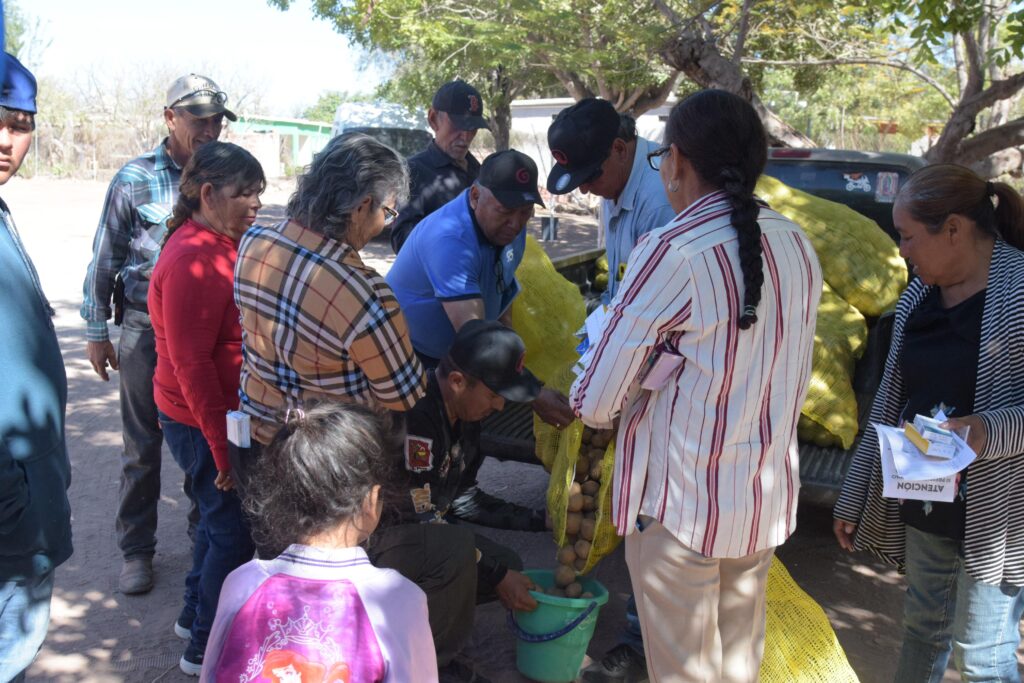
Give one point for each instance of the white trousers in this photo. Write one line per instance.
(702, 618)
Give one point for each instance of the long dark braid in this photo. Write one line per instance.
(748, 231)
(724, 140)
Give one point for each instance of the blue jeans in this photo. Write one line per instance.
(222, 539)
(947, 611)
(24, 618)
(631, 635)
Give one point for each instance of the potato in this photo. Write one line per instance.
(555, 591)
(566, 555)
(592, 514)
(574, 590)
(588, 503)
(572, 521)
(588, 434)
(595, 454)
(575, 488)
(575, 502)
(582, 549)
(601, 440)
(596, 469)
(587, 595)
(564, 575)
(590, 488)
(582, 470)
(587, 529)
(580, 564)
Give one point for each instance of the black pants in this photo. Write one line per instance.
(441, 559)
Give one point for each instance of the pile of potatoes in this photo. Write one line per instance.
(581, 515)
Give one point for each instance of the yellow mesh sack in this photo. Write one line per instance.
(860, 262)
(829, 413)
(563, 472)
(546, 314)
(800, 645)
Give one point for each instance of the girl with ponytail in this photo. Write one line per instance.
(958, 344)
(707, 354)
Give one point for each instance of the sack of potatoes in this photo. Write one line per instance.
(579, 504)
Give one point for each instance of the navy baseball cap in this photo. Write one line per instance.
(462, 103)
(19, 86)
(511, 176)
(580, 139)
(494, 354)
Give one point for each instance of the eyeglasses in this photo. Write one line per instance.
(389, 214)
(654, 159)
(218, 97)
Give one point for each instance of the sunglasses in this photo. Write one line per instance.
(389, 214)
(217, 96)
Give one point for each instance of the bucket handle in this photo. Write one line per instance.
(514, 626)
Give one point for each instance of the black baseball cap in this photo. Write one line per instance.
(580, 139)
(462, 103)
(511, 176)
(494, 354)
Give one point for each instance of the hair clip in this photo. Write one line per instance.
(750, 311)
(294, 416)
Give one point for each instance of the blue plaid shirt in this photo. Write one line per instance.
(133, 224)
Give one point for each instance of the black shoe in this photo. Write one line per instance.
(621, 664)
(191, 663)
(478, 507)
(460, 670)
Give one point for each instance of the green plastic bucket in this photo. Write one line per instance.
(554, 637)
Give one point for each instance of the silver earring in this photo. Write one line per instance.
(673, 187)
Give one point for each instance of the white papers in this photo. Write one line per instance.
(595, 324)
(908, 473)
(238, 429)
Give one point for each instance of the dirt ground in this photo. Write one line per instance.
(97, 634)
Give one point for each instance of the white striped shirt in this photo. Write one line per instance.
(713, 454)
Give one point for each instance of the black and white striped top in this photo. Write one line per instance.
(994, 535)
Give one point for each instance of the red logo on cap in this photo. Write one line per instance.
(523, 176)
(474, 104)
(560, 157)
(521, 364)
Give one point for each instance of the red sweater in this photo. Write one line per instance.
(197, 330)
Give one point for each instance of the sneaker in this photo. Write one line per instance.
(183, 625)
(460, 670)
(621, 664)
(136, 576)
(478, 507)
(191, 663)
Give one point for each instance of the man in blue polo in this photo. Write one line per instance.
(460, 262)
(445, 167)
(35, 518)
(597, 151)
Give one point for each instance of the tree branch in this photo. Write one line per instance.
(741, 35)
(853, 61)
(986, 143)
(975, 74)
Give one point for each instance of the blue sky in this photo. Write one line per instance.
(293, 56)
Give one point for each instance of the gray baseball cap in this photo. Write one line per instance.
(199, 96)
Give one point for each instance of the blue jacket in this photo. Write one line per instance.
(35, 518)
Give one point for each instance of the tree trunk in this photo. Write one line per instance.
(702, 63)
(501, 108)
